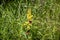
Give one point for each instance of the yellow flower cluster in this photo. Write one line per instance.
(27, 24)
(29, 18)
(29, 15)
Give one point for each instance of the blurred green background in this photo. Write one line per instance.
(45, 24)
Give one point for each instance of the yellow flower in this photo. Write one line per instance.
(29, 15)
(29, 18)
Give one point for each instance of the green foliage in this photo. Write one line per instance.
(45, 24)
